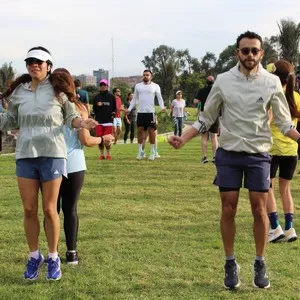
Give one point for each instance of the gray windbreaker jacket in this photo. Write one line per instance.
(40, 117)
(243, 102)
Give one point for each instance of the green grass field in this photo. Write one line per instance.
(148, 230)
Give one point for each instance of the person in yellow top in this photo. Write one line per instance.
(284, 156)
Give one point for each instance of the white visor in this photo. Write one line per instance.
(39, 54)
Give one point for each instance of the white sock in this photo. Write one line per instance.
(35, 254)
(140, 148)
(152, 147)
(53, 256)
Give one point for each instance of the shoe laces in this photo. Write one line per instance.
(230, 267)
(31, 265)
(260, 268)
(52, 264)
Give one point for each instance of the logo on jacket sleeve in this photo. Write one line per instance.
(260, 100)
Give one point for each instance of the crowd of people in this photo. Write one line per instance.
(54, 119)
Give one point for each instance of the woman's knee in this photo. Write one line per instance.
(30, 212)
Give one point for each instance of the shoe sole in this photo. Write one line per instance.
(292, 239)
(232, 287)
(277, 239)
(72, 263)
(261, 287)
(37, 272)
(54, 279)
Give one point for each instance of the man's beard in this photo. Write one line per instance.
(249, 67)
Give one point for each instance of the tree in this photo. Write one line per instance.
(208, 64)
(190, 83)
(288, 40)
(167, 64)
(227, 59)
(7, 75)
(271, 54)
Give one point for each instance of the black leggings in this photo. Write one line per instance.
(67, 200)
(129, 128)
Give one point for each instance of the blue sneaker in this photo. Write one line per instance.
(54, 272)
(33, 267)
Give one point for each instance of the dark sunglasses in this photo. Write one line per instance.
(246, 51)
(33, 61)
(103, 84)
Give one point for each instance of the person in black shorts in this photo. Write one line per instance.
(200, 99)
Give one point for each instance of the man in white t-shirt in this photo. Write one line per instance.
(144, 96)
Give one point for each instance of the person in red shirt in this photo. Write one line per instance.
(117, 118)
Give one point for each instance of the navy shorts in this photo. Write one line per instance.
(233, 167)
(41, 168)
(286, 164)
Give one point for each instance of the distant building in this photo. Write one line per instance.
(101, 74)
(86, 79)
(131, 80)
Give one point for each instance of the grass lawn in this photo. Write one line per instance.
(148, 230)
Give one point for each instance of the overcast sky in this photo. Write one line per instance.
(79, 33)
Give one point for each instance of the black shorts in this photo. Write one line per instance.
(286, 164)
(214, 127)
(146, 120)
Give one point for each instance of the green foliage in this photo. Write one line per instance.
(208, 64)
(227, 59)
(190, 84)
(7, 74)
(92, 91)
(288, 40)
(270, 54)
(167, 64)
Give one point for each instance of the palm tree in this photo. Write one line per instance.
(288, 40)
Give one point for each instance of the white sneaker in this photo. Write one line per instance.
(151, 156)
(275, 234)
(290, 235)
(156, 155)
(141, 155)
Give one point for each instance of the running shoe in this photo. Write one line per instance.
(141, 155)
(54, 272)
(108, 157)
(232, 270)
(151, 156)
(72, 257)
(156, 155)
(275, 234)
(260, 278)
(101, 157)
(33, 267)
(204, 160)
(290, 235)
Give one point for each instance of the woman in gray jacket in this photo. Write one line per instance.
(40, 112)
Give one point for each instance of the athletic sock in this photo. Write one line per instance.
(288, 221)
(273, 217)
(230, 257)
(152, 148)
(140, 149)
(35, 254)
(259, 258)
(53, 256)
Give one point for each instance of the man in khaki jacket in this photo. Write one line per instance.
(243, 96)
